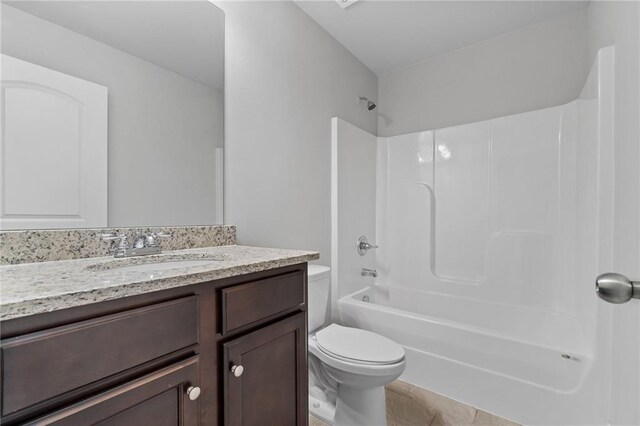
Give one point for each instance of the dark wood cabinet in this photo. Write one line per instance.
(132, 361)
(37, 365)
(265, 382)
(159, 399)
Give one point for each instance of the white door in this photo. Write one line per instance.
(53, 149)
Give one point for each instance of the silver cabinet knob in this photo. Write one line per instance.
(193, 392)
(616, 288)
(237, 370)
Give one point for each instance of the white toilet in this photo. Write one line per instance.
(348, 367)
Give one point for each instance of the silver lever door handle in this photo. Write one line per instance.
(616, 288)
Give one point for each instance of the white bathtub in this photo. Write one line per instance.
(523, 363)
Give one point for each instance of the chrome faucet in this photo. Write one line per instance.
(143, 244)
(363, 245)
(369, 273)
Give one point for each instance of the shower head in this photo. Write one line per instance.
(370, 104)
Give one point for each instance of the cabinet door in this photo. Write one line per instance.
(158, 399)
(268, 385)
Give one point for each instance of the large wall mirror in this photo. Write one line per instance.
(112, 114)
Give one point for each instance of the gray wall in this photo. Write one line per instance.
(535, 67)
(163, 127)
(285, 78)
(618, 23)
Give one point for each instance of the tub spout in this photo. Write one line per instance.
(369, 273)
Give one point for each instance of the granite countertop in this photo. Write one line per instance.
(34, 288)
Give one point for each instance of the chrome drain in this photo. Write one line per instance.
(570, 357)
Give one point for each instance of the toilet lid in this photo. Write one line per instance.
(358, 345)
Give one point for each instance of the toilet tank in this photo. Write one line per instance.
(318, 284)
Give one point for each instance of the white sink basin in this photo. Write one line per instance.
(158, 263)
(164, 266)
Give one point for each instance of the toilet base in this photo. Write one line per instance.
(354, 407)
(360, 406)
(322, 409)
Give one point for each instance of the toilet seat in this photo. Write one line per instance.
(357, 351)
(359, 346)
(354, 366)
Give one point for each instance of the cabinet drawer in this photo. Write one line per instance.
(45, 364)
(250, 303)
(157, 399)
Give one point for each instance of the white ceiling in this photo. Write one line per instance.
(186, 37)
(388, 35)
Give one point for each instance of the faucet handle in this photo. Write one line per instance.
(151, 239)
(123, 243)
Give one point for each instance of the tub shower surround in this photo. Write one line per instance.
(491, 235)
(31, 246)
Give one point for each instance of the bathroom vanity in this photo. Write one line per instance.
(110, 341)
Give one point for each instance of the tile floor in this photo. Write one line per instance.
(409, 405)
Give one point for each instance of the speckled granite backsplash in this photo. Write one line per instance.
(65, 244)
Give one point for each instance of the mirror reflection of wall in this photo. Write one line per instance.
(149, 153)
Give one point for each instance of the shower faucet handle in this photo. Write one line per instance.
(364, 245)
